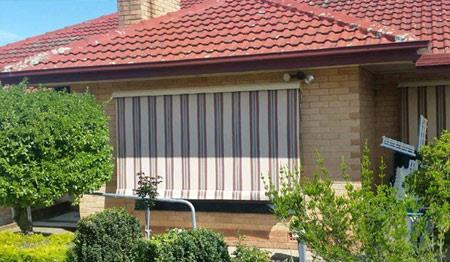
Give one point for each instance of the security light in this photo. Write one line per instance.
(300, 75)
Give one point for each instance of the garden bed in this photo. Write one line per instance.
(36, 247)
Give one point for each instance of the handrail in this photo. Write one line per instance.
(181, 201)
(147, 218)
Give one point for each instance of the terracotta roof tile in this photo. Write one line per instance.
(427, 19)
(18, 51)
(221, 28)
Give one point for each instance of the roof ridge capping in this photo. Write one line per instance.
(354, 22)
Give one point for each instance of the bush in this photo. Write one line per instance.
(146, 251)
(245, 253)
(180, 245)
(432, 181)
(367, 223)
(431, 184)
(51, 144)
(109, 236)
(16, 247)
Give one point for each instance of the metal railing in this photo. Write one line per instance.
(147, 210)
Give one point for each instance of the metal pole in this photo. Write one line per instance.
(185, 202)
(147, 218)
(148, 231)
(301, 251)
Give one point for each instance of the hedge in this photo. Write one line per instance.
(179, 245)
(109, 236)
(16, 247)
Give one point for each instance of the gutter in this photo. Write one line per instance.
(392, 52)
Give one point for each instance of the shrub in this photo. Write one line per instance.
(51, 144)
(431, 184)
(147, 191)
(245, 253)
(146, 251)
(180, 245)
(109, 236)
(367, 223)
(16, 247)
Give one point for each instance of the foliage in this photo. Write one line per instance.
(111, 235)
(245, 253)
(431, 184)
(432, 181)
(366, 223)
(146, 251)
(148, 189)
(15, 247)
(51, 144)
(180, 245)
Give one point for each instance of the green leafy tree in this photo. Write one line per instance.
(51, 144)
(366, 223)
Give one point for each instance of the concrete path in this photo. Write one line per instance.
(43, 230)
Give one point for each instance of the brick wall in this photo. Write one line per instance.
(387, 104)
(367, 114)
(331, 123)
(133, 11)
(162, 7)
(257, 228)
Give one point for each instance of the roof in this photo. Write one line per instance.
(15, 52)
(220, 29)
(426, 19)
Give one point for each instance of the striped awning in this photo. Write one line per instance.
(213, 145)
(429, 99)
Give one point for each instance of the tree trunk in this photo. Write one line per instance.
(23, 220)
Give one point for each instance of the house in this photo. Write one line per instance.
(212, 94)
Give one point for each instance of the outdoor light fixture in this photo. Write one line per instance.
(300, 75)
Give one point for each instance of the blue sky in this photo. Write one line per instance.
(20, 19)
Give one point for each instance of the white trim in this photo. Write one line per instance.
(207, 90)
(424, 83)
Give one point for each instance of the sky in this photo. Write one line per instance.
(20, 19)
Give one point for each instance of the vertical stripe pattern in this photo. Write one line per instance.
(431, 101)
(208, 146)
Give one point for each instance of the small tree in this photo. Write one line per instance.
(363, 224)
(431, 184)
(51, 144)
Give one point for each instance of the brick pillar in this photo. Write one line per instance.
(134, 11)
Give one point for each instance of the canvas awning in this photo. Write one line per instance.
(428, 98)
(209, 144)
